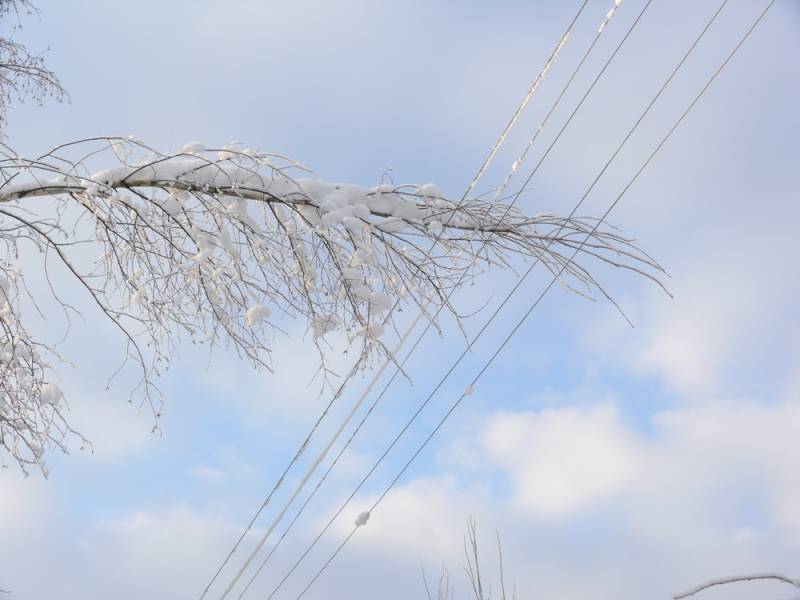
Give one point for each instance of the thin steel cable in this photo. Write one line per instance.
(542, 294)
(515, 165)
(510, 294)
(501, 139)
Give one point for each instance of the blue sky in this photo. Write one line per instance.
(615, 462)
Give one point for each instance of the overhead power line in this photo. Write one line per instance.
(358, 427)
(536, 302)
(539, 298)
(495, 148)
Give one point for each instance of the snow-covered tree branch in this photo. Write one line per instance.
(207, 244)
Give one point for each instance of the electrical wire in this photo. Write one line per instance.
(514, 289)
(495, 148)
(547, 288)
(515, 165)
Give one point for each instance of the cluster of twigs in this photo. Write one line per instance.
(23, 75)
(480, 588)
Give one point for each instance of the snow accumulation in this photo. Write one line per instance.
(256, 313)
(236, 218)
(325, 204)
(324, 325)
(379, 302)
(373, 331)
(194, 148)
(51, 394)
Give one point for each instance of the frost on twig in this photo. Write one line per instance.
(216, 245)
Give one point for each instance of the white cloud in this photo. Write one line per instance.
(720, 479)
(715, 460)
(291, 392)
(116, 429)
(562, 460)
(207, 473)
(23, 503)
(724, 314)
(161, 553)
(597, 498)
(183, 542)
(709, 465)
(417, 516)
(728, 329)
(228, 466)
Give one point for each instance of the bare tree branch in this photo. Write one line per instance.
(737, 579)
(502, 570)
(472, 569)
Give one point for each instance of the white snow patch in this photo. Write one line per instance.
(430, 190)
(324, 325)
(193, 148)
(380, 302)
(256, 313)
(51, 394)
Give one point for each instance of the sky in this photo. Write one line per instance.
(613, 461)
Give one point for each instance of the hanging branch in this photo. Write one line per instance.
(207, 244)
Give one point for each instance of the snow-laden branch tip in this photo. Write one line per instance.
(217, 244)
